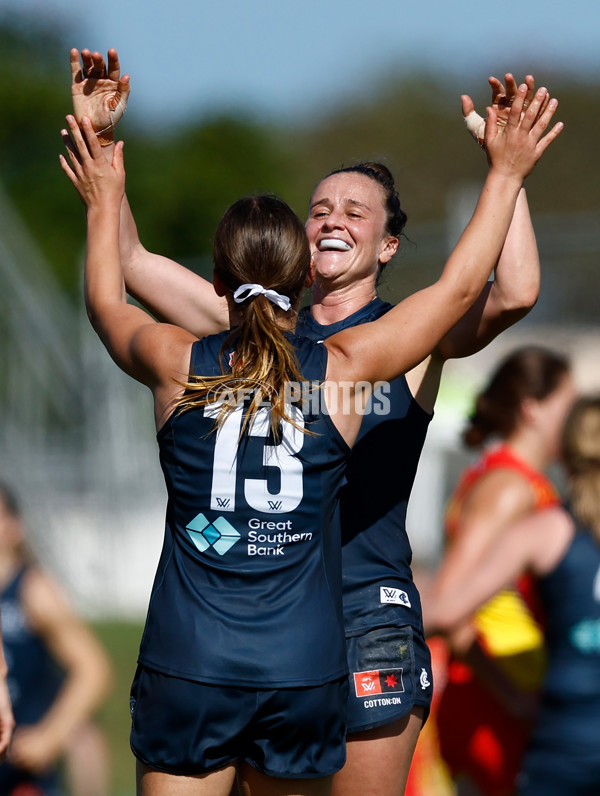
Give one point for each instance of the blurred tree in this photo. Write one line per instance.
(33, 97)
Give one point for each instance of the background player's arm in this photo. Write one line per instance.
(87, 668)
(535, 543)
(169, 290)
(498, 499)
(7, 721)
(495, 502)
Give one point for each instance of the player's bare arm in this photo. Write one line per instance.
(167, 289)
(515, 288)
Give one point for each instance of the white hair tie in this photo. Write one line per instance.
(247, 291)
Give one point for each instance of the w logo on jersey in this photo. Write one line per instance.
(389, 594)
(220, 534)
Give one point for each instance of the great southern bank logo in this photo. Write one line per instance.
(220, 534)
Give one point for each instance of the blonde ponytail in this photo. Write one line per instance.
(581, 450)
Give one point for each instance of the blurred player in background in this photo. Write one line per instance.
(58, 674)
(497, 661)
(560, 548)
(7, 720)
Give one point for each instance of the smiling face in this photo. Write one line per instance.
(346, 229)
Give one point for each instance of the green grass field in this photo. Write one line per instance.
(122, 641)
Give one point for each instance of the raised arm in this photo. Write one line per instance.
(153, 353)
(535, 543)
(515, 288)
(408, 333)
(169, 290)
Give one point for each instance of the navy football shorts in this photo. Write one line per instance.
(187, 728)
(390, 673)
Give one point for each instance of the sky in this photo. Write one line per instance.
(292, 61)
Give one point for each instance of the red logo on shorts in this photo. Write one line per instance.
(378, 681)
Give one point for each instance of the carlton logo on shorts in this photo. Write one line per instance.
(379, 681)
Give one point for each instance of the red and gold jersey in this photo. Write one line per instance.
(507, 624)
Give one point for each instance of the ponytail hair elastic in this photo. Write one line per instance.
(249, 290)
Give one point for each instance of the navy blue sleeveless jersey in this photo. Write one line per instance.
(248, 587)
(378, 587)
(570, 599)
(34, 678)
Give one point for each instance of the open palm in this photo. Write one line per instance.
(99, 92)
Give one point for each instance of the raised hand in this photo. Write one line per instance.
(99, 91)
(97, 180)
(502, 100)
(515, 147)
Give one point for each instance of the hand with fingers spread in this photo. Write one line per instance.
(99, 182)
(514, 149)
(503, 97)
(99, 91)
